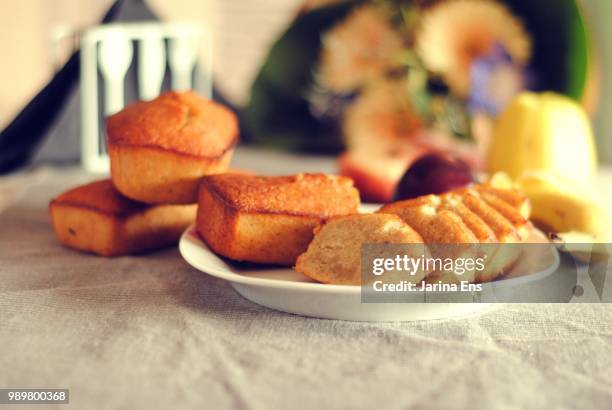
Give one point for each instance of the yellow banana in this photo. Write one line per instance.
(547, 132)
(560, 205)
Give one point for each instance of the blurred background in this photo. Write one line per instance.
(243, 32)
(38, 36)
(599, 14)
(493, 86)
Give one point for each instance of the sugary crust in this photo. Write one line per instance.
(238, 220)
(157, 176)
(303, 194)
(96, 218)
(180, 122)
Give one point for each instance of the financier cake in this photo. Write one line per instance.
(96, 218)
(160, 149)
(269, 219)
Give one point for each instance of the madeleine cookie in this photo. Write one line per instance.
(96, 218)
(269, 219)
(160, 149)
(479, 214)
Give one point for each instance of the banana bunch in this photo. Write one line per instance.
(561, 205)
(544, 143)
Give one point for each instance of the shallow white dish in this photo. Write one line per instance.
(288, 291)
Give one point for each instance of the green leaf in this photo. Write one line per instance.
(278, 113)
(561, 44)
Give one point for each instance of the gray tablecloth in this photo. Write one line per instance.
(150, 332)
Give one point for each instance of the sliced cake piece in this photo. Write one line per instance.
(334, 255)
(269, 219)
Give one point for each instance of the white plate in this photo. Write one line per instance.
(288, 291)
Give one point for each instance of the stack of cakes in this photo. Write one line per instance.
(159, 150)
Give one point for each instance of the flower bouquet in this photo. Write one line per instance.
(383, 82)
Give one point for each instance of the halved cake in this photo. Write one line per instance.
(334, 255)
(269, 219)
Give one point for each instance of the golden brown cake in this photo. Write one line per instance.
(476, 215)
(160, 149)
(96, 218)
(334, 255)
(466, 215)
(269, 219)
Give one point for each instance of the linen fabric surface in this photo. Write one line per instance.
(150, 332)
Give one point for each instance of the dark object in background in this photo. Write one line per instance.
(20, 139)
(279, 115)
(433, 174)
(48, 129)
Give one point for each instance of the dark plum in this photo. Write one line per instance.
(433, 174)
